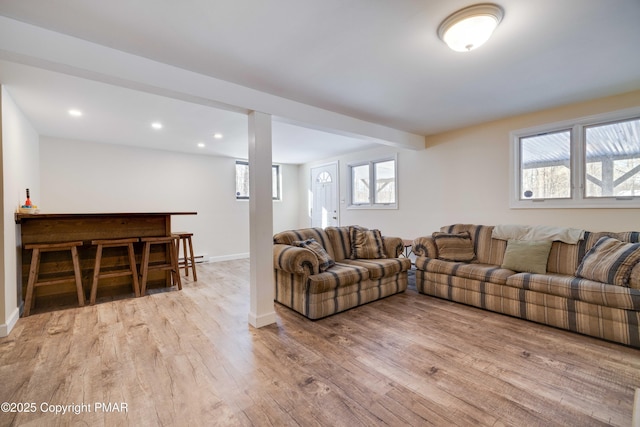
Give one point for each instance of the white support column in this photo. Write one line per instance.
(261, 311)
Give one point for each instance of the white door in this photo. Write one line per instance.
(324, 192)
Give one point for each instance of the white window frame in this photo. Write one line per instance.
(278, 167)
(371, 204)
(577, 162)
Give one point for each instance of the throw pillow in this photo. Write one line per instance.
(528, 256)
(609, 261)
(324, 259)
(366, 244)
(456, 247)
(352, 230)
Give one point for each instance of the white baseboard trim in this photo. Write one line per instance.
(228, 257)
(263, 320)
(5, 328)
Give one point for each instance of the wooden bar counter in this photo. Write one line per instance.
(52, 228)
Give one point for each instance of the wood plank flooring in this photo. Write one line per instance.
(190, 358)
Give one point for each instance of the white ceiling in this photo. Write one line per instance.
(378, 61)
(117, 115)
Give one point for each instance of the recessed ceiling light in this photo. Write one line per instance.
(156, 125)
(201, 144)
(75, 113)
(217, 135)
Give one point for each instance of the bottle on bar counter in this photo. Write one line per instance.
(28, 203)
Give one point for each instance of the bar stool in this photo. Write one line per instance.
(189, 258)
(130, 271)
(34, 270)
(172, 265)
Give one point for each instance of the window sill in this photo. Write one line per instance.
(608, 203)
(373, 207)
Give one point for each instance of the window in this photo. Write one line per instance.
(613, 159)
(242, 181)
(545, 171)
(589, 162)
(383, 192)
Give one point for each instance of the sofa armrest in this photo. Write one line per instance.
(425, 246)
(393, 246)
(295, 260)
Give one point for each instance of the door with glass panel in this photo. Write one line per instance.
(324, 195)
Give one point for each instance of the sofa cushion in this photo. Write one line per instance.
(575, 288)
(487, 250)
(290, 236)
(324, 260)
(610, 261)
(366, 244)
(527, 256)
(454, 246)
(482, 272)
(337, 275)
(379, 268)
(339, 237)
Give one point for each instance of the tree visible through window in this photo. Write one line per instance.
(385, 176)
(360, 185)
(593, 162)
(384, 191)
(613, 159)
(242, 180)
(545, 165)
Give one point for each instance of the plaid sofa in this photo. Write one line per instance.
(301, 286)
(556, 298)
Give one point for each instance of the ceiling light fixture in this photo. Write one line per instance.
(217, 135)
(75, 113)
(471, 27)
(201, 144)
(156, 125)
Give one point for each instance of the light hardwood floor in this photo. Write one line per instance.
(190, 358)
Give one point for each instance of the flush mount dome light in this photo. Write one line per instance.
(471, 27)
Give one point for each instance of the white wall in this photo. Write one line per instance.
(80, 176)
(463, 177)
(285, 211)
(20, 170)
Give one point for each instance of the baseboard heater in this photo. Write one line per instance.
(199, 259)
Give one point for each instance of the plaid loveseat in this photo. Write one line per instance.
(302, 286)
(557, 298)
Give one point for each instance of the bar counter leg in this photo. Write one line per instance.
(144, 266)
(33, 275)
(173, 253)
(96, 274)
(134, 270)
(78, 276)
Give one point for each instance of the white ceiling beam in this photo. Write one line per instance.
(39, 47)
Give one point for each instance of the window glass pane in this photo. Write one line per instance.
(545, 166)
(360, 184)
(242, 180)
(324, 177)
(275, 182)
(385, 176)
(613, 159)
